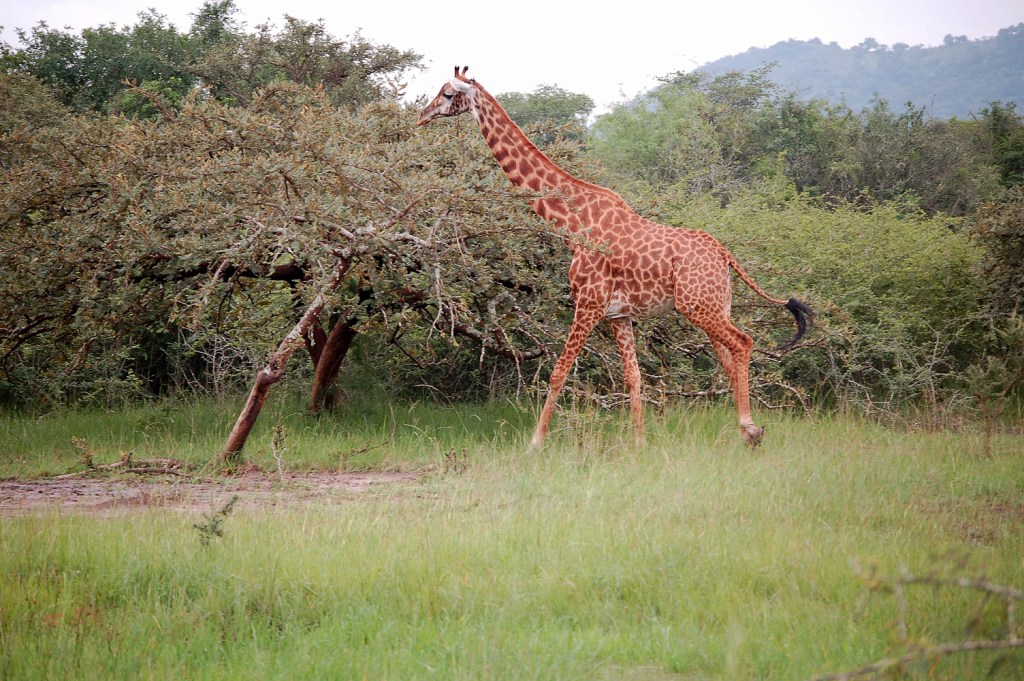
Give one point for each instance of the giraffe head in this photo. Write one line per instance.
(456, 97)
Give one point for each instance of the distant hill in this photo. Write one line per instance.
(954, 79)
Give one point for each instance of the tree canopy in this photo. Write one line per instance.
(702, 134)
(125, 238)
(94, 70)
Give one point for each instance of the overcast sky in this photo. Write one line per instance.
(607, 50)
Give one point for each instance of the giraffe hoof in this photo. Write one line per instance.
(752, 434)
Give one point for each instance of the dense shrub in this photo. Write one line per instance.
(897, 293)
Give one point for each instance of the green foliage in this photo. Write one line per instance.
(717, 135)
(692, 131)
(52, 56)
(999, 229)
(1000, 374)
(549, 105)
(905, 156)
(352, 72)
(92, 71)
(25, 104)
(213, 523)
(215, 22)
(151, 100)
(151, 51)
(884, 283)
(1004, 130)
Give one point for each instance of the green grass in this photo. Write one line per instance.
(693, 558)
(369, 433)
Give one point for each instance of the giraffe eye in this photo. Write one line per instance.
(449, 96)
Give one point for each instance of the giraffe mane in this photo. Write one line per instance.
(569, 177)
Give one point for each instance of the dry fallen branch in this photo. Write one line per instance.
(924, 653)
(916, 652)
(343, 457)
(127, 464)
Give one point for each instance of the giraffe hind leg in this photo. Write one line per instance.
(631, 369)
(733, 348)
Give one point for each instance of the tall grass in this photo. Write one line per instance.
(368, 433)
(691, 558)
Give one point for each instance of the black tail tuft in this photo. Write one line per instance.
(802, 313)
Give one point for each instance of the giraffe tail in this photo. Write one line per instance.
(801, 312)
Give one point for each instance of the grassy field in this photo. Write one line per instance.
(692, 558)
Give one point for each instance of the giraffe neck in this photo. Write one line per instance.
(524, 164)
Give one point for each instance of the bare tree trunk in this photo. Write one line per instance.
(274, 371)
(331, 355)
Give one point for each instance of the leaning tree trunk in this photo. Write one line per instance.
(274, 371)
(327, 363)
(315, 338)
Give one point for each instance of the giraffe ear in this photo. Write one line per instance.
(460, 84)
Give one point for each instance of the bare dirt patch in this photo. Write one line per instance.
(255, 489)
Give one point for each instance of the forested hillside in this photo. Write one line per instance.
(957, 78)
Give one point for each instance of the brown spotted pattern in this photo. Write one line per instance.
(623, 266)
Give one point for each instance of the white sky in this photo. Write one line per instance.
(607, 51)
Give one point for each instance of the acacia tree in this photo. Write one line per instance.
(121, 233)
(96, 69)
(89, 71)
(550, 106)
(691, 132)
(353, 71)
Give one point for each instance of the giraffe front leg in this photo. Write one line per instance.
(631, 369)
(583, 322)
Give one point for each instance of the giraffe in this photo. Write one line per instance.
(623, 266)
